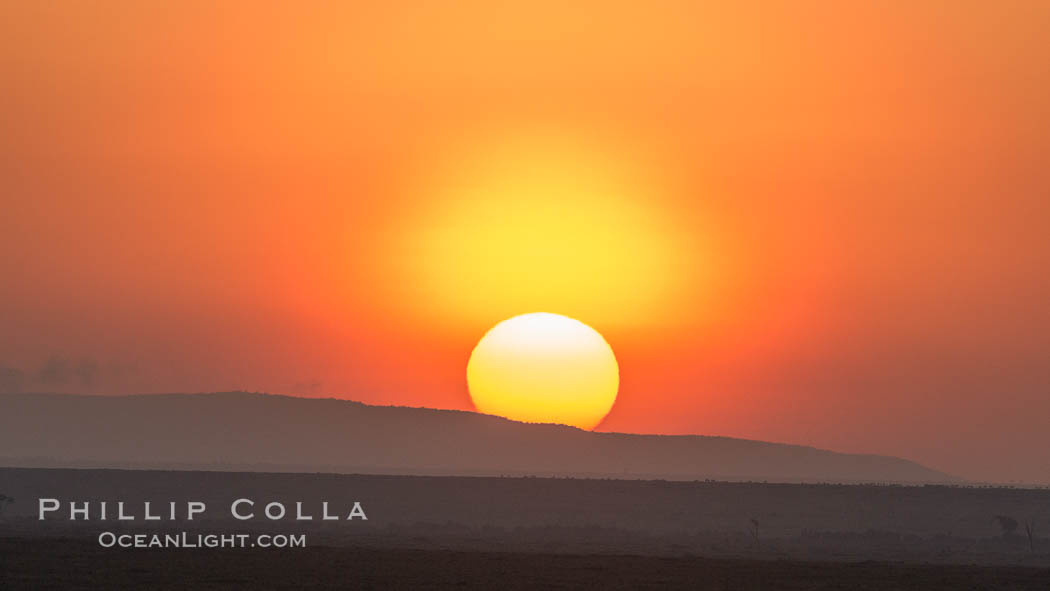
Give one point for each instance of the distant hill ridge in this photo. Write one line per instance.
(245, 431)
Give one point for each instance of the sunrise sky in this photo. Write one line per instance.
(821, 223)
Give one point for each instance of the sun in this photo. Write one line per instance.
(544, 368)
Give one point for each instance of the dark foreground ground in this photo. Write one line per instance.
(43, 563)
(524, 533)
(754, 521)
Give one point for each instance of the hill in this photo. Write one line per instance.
(243, 431)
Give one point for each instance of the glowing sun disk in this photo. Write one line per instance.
(544, 368)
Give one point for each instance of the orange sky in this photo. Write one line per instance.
(829, 225)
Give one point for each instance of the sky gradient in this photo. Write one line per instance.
(819, 223)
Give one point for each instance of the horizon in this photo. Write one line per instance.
(339, 436)
(953, 479)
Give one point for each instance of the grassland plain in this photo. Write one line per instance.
(60, 563)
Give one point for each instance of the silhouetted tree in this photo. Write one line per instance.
(1031, 537)
(4, 502)
(754, 529)
(11, 380)
(1007, 523)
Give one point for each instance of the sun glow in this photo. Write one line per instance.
(544, 368)
(548, 222)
